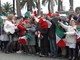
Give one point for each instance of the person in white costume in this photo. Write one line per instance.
(70, 38)
(9, 28)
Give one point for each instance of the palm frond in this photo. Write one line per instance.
(44, 2)
(56, 1)
(35, 2)
(22, 3)
(52, 2)
(7, 7)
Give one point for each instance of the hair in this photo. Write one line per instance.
(10, 17)
(72, 20)
(70, 16)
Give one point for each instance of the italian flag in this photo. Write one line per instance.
(22, 40)
(59, 34)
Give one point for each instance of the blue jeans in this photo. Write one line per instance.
(53, 47)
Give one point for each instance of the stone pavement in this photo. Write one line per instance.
(23, 56)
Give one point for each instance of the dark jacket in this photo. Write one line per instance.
(52, 30)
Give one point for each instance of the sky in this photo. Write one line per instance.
(45, 10)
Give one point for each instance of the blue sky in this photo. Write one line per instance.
(65, 4)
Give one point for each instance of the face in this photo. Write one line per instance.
(72, 23)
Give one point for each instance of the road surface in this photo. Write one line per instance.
(24, 56)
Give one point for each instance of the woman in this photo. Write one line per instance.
(9, 28)
(3, 37)
(70, 38)
(31, 28)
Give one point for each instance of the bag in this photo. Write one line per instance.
(61, 44)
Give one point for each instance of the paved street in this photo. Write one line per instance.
(15, 56)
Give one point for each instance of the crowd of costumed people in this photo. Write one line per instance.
(49, 35)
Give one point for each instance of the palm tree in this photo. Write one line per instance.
(51, 4)
(39, 7)
(60, 6)
(77, 10)
(7, 7)
(71, 4)
(13, 6)
(18, 7)
(29, 3)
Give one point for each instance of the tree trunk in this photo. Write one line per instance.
(29, 5)
(0, 7)
(71, 4)
(28, 9)
(13, 6)
(49, 6)
(18, 7)
(39, 7)
(60, 6)
(52, 6)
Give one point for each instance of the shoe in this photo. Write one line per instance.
(11, 51)
(55, 56)
(41, 55)
(19, 51)
(69, 58)
(73, 58)
(65, 56)
(7, 52)
(51, 56)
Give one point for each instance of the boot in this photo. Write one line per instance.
(70, 54)
(67, 52)
(70, 58)
(74, 57)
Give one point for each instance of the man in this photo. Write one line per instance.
(52, 38)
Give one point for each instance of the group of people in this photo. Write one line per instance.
(40, 35)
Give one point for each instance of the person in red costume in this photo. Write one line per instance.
(43, 28)
(21, 26)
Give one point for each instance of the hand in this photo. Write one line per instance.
(15, 24)
(59, 21)
(28, 29)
